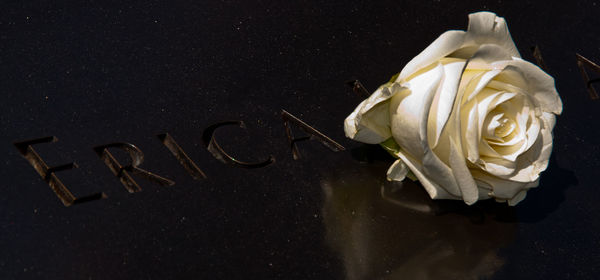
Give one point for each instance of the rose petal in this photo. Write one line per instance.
(502, 188)
(410, 121)
(492, 121)
(398, 171)
(484, 28)
(498, 166)
(534, 81)
(466, 183)
(447, 43)
(370, 121)
(516, 142)
(444, 99)
(517, 198)
(471, 135)
(535, 160)
(409, 110)
(473, 115)
(476, 85)
(433, 189)
(486, 55)
(533, 130)
(487, 28)
(501, 86)
(450, 151)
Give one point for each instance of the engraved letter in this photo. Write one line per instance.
(314, 134)
(124, 172)
(358, 88)
(48, 172)
(213, 147)
(537, 54)
(181, 156)
(582, 62)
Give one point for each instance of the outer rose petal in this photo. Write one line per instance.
(504, 189)
(370, 121)
(486, 55)
(398, 171)
(410, 112)
(441, 108)
(487, 28)
(447, 43)
(484, 28)
(538, 84)
(433, 189)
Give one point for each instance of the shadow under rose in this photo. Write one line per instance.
(548, 196)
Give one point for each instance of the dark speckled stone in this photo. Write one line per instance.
(94, 72)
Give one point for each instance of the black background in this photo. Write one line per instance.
(94, 72)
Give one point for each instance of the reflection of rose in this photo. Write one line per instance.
(389, 230)
(467, 116)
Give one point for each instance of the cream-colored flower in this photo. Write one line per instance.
(467, 116)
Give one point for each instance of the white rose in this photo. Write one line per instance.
(467, 116)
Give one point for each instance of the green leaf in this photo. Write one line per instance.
(391, 146)
(411, 175)
(393, 79)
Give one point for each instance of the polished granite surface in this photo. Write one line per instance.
(93, 73)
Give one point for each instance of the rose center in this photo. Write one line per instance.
(506, 127)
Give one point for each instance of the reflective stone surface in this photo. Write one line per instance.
(383, 230)
(96, 73)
